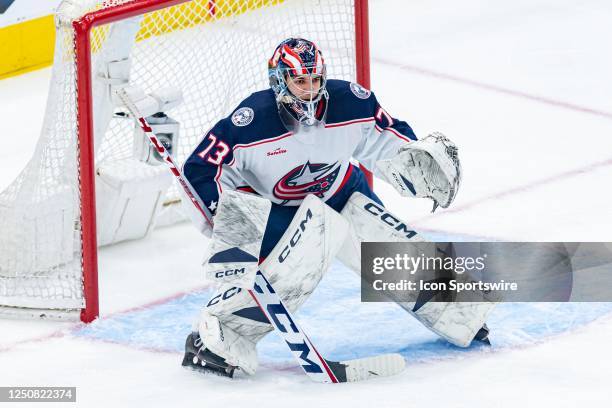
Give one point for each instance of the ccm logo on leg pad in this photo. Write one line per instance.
(223, 296)
(229, 272)
(295, 238)
(389, 219)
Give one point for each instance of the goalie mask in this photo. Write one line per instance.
(298, 77)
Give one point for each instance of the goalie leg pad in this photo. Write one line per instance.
(369, 221)
(294, 267)
(458, 323)
(233, 251)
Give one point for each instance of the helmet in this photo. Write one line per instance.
(298, 77)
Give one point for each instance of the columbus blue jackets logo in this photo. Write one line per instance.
(304, 47)
(309, 178)
(243, 116)
(360, 91)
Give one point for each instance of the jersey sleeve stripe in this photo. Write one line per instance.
(395, 132)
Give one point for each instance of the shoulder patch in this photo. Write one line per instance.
(359, 91)
(243, 116)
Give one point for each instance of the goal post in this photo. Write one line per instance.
(89, 164)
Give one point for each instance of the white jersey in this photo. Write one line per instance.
(252, 150)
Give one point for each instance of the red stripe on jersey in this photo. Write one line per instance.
(346, 178)
(395, 132)
(244, 146)
(274, 139)
(246, 189)
(349, 122)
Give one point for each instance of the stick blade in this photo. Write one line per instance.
(368, 368)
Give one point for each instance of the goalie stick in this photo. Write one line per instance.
(314, 365)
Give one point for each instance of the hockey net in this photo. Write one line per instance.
(215, 52)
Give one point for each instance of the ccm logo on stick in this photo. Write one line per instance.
(389, 219)
(280, 317)
(295, 238)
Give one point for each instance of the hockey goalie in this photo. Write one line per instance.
(277, 176)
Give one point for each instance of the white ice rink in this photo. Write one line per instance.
(523, 87)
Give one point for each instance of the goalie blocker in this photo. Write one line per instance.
(231, 324)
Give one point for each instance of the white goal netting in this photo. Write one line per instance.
(215, 52)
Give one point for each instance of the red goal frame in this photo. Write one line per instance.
(83, 27)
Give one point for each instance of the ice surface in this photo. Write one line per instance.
(524, 89)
